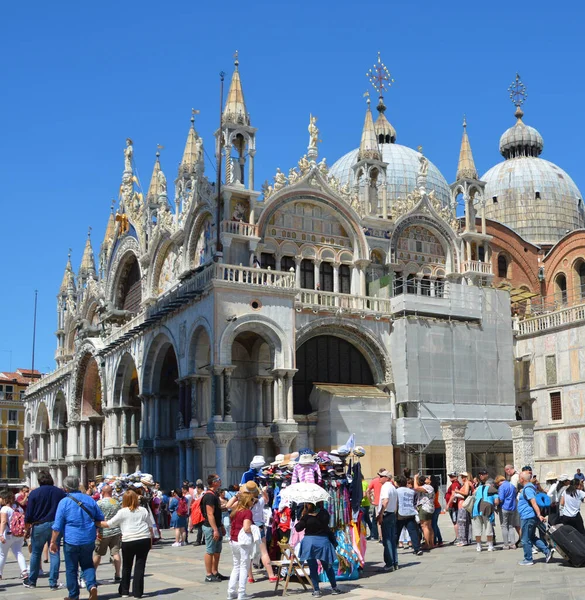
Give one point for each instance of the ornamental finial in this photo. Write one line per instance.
(379, 76)
(236, 61)
(367, 97)
(88, 233)
(518, 95)
(193, 113)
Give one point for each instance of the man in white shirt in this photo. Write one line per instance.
(387, 519)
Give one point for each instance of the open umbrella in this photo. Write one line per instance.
(305, 492)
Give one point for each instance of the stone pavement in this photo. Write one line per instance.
(445, 573)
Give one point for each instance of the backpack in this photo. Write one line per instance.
(182, 509)
(197, 516)
(542, 500)
(17, 523)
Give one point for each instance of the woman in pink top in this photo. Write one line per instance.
(241, 518)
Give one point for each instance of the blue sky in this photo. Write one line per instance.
(78, 79)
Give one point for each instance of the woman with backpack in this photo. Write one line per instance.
(179, 511)
(11, 531)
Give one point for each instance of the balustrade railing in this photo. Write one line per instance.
(558, 318)
(334, 300)
(50, 378)
(239, 228)
(477, 266)
(254, 276)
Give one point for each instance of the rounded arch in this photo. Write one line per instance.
(59, 420)
(372, 349)
(126, 292)
(265, 328)
(154, 358)
(443, 234)
(503, 262)
(42, 424)
(126, 384)
(578, 278)
(89, 389)
(127, 251)
(560, 287)
(345, 213)
(165, 248)
(200, 355)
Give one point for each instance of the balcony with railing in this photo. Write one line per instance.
(477, 266)
(239, 228)
(341, 303)
(551, 320)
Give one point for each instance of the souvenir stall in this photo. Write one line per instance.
(336, 479)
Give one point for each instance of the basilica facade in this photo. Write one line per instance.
(215, 324)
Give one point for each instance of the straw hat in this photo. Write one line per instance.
(249, 487)
(306, 459)
(550, 476)
(277, 460)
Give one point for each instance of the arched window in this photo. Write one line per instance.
(502, 266)
(326, 276)
(307, 274)
(344, 279)
(287, 263)
(581, 273)
(561, 289)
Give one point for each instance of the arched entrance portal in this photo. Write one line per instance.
(91, 421)
(125, 417)
(166, 416)
(327, 359)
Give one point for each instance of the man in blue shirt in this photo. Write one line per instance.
(579, 475)
(252, 473)
(529, 519)
(509, 519)
(75, 519)
(40, 514)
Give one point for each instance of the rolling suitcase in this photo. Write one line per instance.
(568, 542)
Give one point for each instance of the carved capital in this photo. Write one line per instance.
(453, 430)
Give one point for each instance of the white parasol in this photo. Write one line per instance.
(305, 492)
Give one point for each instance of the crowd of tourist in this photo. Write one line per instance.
(124, 516)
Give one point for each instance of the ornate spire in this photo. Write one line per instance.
(193, 149)
(158, 181)
(235, 107)
(466, 167)
(381, 80)
(110, 227)
(369, 148)
(87, 267)
(68, 283)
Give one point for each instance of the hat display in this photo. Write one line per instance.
(147, 479)
(306, 459)
(257, 462)
(277, 459)
(550, 476)
(359, 451)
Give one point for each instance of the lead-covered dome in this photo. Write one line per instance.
(531, 195)
(401, 172)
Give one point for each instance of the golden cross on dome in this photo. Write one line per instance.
(380, 77)
(517, 91)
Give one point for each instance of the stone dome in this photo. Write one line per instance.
(401, 172)
(529, 194)
(534, 197)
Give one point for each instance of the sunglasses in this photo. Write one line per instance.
(216, 480)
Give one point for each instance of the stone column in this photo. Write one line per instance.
(251, 154)
(182, 461)
(188, 460)
(124, 419)
(124, 467)
(276, 390)
(83, 473)
(133, 427)
(218, 393)
(98, 441)
(336, 266)
(288, 395)
(317, 274)
(91, 440)
(182, 401)
(72, 439)
(267, 400)
(188, 401)
(298, 261)
(60, 435)
(151, 416)
(523, 442)
(227, 388)
(454, 438)
(52, 444)
(354, 285)
(83, 436)
(221, 434)
(258, 390)
(144, 421)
